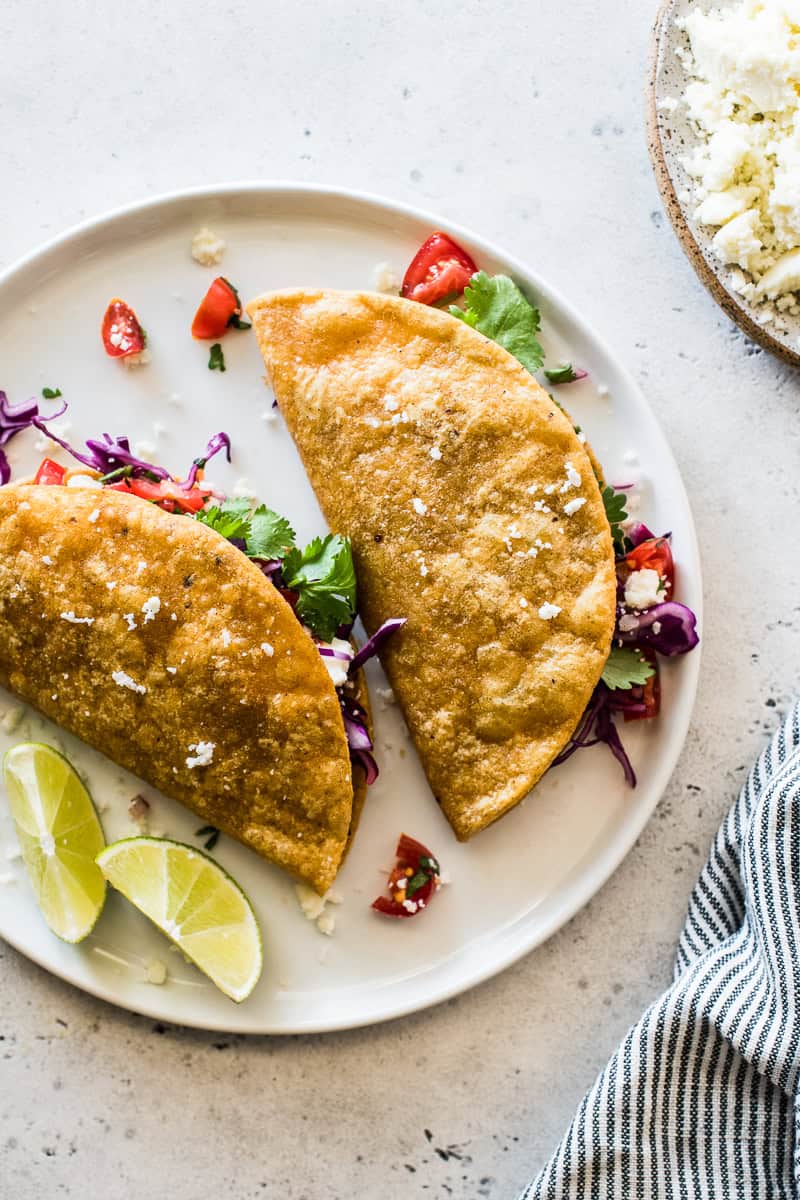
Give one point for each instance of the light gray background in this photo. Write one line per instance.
(524, 120)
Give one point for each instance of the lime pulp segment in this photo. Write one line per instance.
(60, 837)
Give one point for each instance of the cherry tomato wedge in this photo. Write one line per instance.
(648, 694)
(122, 334)
(218, 309)
(654, 555)
(163, 492)
(414, 879)
(50, 472)
(439, 268)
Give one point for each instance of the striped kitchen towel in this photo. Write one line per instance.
(701, 1098)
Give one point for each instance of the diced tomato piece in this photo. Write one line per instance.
(412, 882)
(218, 308)
(648, 694)
(655, 554)
(439, 268)
(50, 472)
(165, 493)
(122, 334)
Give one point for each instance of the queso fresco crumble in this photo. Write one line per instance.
(743, 101)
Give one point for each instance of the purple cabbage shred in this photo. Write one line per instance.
(13, 419)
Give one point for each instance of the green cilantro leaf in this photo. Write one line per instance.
(616, 513)
(51, 393)
(216, 359)
(496, 307)
(269, 535)
(231, 519)
(626, 669)
(416, 882)
(325, 580)
(564, 373)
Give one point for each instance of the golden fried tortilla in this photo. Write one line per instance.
(156, 641)
(473, 511)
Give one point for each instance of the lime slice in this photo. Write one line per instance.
(195, 903)
(60, 836)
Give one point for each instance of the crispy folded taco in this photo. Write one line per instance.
(473, 510)
(159, 643)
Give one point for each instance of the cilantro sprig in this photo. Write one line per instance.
(51, 393)
(626, 669)
(325, 579)
(322, 575)
(616, 513)
(496, 307)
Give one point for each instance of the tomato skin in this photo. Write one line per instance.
(121, 332)
(655, 554)
(650, 693)
(439, 268)
(50, 472)
(217, 307)
(164, 493)
(413, 859)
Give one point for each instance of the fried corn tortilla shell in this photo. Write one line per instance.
(474, 512)
(160, 644)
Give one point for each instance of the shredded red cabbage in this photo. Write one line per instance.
(114, 455)
(220, 441)
(358, 740)
(373, 644)
(639, 533)
(597, 725)
(669, 628)
(13, 419)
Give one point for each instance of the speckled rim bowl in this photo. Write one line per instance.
(669, 138)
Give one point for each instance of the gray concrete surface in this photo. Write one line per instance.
(523, 120)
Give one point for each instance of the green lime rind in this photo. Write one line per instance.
(195, 903)
(60, 836)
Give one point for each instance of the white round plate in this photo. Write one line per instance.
(517, 882)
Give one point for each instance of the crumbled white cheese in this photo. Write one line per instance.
(335, 665)
(743, 101)
(123, 679)
(47, 560)
(385, 278)
(315, 908)
(131, 621)
(140, 359)
(641, 589)
(150, 608)
(268, 649)
(435, 453)
(573, 479)
(204, 753)
(244, 490)
(523, 603)
(573, 505)
(540, 506)
(419, 506)
(207, 247)
(85, 481)
(548, 611)
(70, 616)
(12, 718)
(155, 972)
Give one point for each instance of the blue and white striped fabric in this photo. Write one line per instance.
(701, 1098)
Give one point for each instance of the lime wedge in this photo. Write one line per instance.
(195, 903)
(60, 836)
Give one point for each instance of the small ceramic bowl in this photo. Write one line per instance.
(670, 138)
